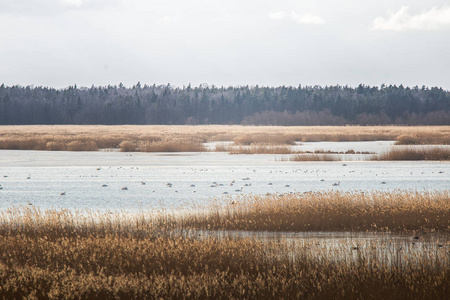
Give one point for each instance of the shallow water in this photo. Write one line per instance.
(40, 176)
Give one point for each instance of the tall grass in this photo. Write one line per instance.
(397, 211)
(315, 157)
(415, 153)
(424, 139)
(44, 137)
(70, 255)
(173, 146)
(263, 138)
(260, 149)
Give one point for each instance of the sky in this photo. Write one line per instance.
(59, 43)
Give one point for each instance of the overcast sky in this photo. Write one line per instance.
(59, 43)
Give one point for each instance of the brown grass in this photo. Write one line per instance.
(173, 146)
(69, 255)
(38, 137)
(315, 157)
(424, 139)
(333, 211)
(260, 149)
(262, 138)
(414, 153)
(222, 148)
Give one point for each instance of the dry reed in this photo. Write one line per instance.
(262, 138)
(222, 148)
(315, 157)
(37, 137)
(415, 153)
(260, 149)
(172, 146)
(67, 255)
(424, 139)
(332, 211)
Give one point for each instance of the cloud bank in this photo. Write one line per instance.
(307, 18)
(434, 19)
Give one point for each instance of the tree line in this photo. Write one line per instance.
(204, 104)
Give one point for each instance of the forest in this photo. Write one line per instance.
(209, 104)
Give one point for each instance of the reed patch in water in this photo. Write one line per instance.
(260, 149)
(315, 157)
(66, 255)
(430, 138)
(396, 211)
(172, 146)
(37, 137)
(415, 153)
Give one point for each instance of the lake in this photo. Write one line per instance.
(110, 180)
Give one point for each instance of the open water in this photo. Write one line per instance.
(108, 180)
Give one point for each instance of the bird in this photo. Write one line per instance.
(62, 193)
(124, 188)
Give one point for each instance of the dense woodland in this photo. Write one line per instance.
(284, 105)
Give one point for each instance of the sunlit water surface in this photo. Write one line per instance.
(152, 181)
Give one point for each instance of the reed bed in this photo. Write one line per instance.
(415, 153)
(262, 138)
(222, 148)
(315, 157)
(83, 255)
(162, 146)
(424, 139)
(260, 149)
(398, 211)
(38, 137)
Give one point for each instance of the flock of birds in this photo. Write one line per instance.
(239, 186)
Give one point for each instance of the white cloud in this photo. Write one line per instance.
(277, 15)
(38, 7)
(75, 3)
(434, 19)
(165, 20)
(307, 18)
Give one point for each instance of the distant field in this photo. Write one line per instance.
(165, 138)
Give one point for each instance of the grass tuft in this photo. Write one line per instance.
(315, 157)
(415, 153)
(260, 149)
